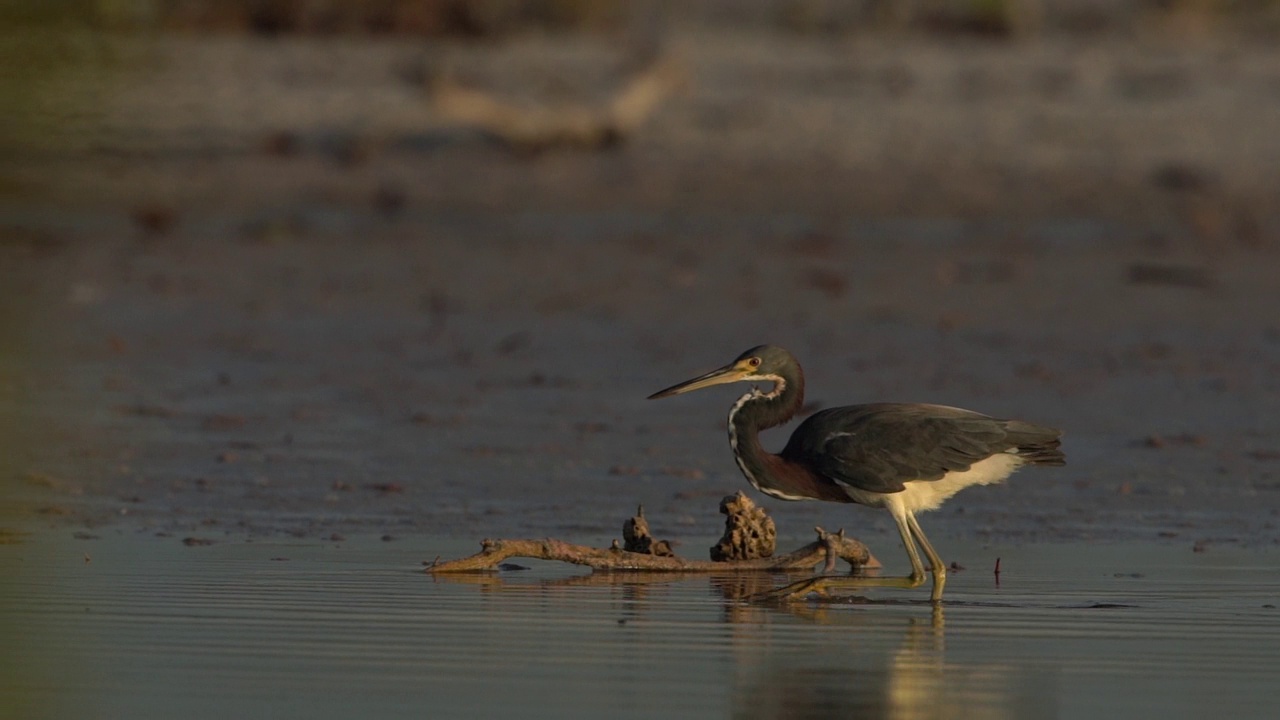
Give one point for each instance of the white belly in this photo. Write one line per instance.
(922, 495)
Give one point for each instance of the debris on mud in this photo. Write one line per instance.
(749, 531)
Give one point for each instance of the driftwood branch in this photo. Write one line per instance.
(529, 129)
(828, 548)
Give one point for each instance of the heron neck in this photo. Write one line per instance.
(758, 411)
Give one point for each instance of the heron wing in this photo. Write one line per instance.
(879, 447)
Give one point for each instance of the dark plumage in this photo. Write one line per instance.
(882, 446)
(904, 457)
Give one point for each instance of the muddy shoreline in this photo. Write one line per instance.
(396, 327)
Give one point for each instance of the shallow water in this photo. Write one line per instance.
(134, 626)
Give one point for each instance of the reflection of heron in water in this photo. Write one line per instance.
(866, 669)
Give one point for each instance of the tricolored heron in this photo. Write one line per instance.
(904, 457)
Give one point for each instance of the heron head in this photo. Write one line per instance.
(760, 363)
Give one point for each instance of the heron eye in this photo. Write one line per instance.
(754, 362)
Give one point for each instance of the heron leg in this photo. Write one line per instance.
(906, 521)
(822, 583)
(939, 569)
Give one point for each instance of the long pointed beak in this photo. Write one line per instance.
(726, 374)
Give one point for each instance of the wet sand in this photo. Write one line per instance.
(389, 325)
(258, 287)
(481, 386)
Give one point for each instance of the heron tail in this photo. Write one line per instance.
(1036, 444)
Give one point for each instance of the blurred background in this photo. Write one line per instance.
(319, 267)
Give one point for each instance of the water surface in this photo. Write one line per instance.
(128, 625)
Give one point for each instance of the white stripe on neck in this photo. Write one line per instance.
(779, 384)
